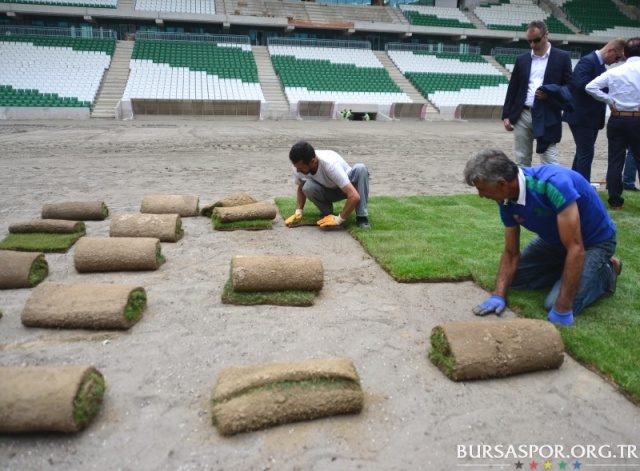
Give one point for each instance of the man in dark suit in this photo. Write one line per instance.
(544, 65)
(588, 115)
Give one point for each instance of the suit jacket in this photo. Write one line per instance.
(588, 111)
(558, 72)
(546, 115)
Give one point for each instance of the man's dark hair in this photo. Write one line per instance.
(632, 48)
(490, 166)
(539, 24)
(302, 150)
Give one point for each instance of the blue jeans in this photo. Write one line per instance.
(541, 266)
(324, 197)
(630, 169)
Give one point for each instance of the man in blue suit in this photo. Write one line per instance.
(544, 65)
(588, 114)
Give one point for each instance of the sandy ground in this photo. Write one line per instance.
(161, 373)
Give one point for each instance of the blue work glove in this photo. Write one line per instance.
(564, 318)
(495, 304)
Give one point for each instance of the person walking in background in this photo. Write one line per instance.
(543, 65)
(622, 85)
(588, 115)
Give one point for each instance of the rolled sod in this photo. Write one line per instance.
(246, 212)
(49, 399)
(237, 199)
(184, 205)
(48, 226)
(165, 227)
(99, 254)
(76, 211)
(84, 306)
(494, 349)
(254, 397)
(22, 269)
(276, 273)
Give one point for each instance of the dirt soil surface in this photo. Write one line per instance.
(160, 374)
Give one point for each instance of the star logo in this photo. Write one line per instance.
(519, 465)
(577, 464)
(533, 465)
(562, 465)
(547, 465)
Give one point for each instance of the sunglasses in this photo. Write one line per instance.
(536, 40)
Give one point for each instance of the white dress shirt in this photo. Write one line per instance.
(536, 76)
(623, 83)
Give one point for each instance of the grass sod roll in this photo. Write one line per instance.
(276, 273)
(76, 211)
(165, 227)
(254, 397)
(94, 306)
(246, 212)
(49, 398)
(48, 226)
(237, 199)
(495, 349)
(103, 254)
(22, 269)
(184, 205)
(299, 298)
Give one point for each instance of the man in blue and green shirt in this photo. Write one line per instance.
(575, 243)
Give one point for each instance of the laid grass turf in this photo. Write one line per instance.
(461, 237)
(40, 242)
(278, 298)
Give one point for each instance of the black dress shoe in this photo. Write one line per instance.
(630, 188)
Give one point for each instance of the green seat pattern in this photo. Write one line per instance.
(77, 44)
(323, 75)
(420, 19)
(11, 97)
(428, 83)
(554, 25)
(596, 15)
(225, 62)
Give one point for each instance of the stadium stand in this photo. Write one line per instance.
(514, 15)
(599, 18)
(436, 16)
(322, 71)
(195, 71)
(69, 3)
(40, 71)
(207, 7)
(451, 79)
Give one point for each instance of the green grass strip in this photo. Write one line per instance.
(461, 237)
(88, 400)
(440, 353)
(248, 225)
(39, 270)
(328, 383)
(278, 298)
(40, 242)
(135, 305)
(159, 257)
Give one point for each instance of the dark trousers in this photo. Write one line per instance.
(585, 139)
(622, 132)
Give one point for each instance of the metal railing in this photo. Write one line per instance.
(213, 38)
(319, 43)
(84, 32)
(505, 51)
(434, 48)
